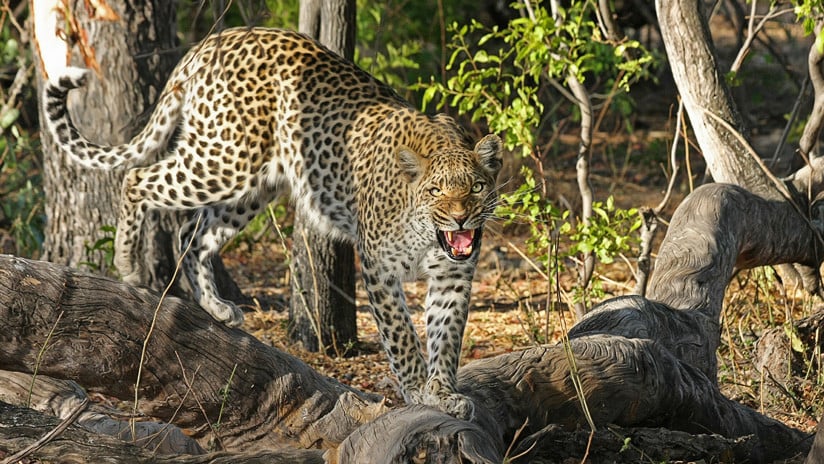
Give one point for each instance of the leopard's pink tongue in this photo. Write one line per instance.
(461, 241)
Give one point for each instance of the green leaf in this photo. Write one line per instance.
(428, 96)
(795, 341)
(8, 118)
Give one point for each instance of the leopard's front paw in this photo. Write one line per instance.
(413, 396)
(454, 404)
(132, 278)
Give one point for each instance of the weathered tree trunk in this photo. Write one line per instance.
(136, 55)
(641, 363)
(68, 401)
(816, 455)
(110, 109)
(261, 398)
(322, 310)
(704, 92)
(796, 199)
(716, 122)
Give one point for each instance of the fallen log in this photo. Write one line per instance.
(816, 454)
(614, 444)
(220, 384)
(640, 362)
(78, 445)
(65, 399)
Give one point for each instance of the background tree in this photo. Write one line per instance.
(322, 305)
(136, 54)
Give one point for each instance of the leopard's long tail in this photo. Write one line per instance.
(144, 146)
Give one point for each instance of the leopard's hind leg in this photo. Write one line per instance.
(200, 239)
(167, 185)
(133, 207)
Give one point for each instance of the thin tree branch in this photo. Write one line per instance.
(814, 123)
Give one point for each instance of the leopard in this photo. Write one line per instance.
(251, 113)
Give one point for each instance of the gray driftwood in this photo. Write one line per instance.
(642, 362)
(77, 444)
(816, 454)
(65, 398)
(93, 329)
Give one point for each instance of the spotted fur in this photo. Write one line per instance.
(253, 110)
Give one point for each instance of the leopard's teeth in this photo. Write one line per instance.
(448, 234)
(468, 250)
(455, 252)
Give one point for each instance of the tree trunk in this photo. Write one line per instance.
(323, 270)
(706, 97)
(68, 401)
(639, 362)
(110, 109)
(260, 397)
(816, 455)
(136, 55)
(76, 444)
(717, 124)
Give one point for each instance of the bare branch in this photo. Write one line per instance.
(813, 127)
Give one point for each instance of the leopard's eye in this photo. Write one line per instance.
(435, 192)
(477, 187)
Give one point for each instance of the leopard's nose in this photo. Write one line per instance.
(459, 218)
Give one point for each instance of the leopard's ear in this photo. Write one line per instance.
(489, 152)
(410, 163)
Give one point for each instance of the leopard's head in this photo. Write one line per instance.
(454, 192)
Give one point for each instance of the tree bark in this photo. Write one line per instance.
(261, 398)
(135, 62)
(640, 362)
(136, 55)
(78, 445)
(700, 81)
(817, 452)
(719, 129)
(812, 130)
(322, 308)
(67, 400)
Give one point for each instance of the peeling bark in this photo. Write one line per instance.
(817, 452)
(61, 398)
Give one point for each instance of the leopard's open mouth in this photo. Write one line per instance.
(459, 244)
